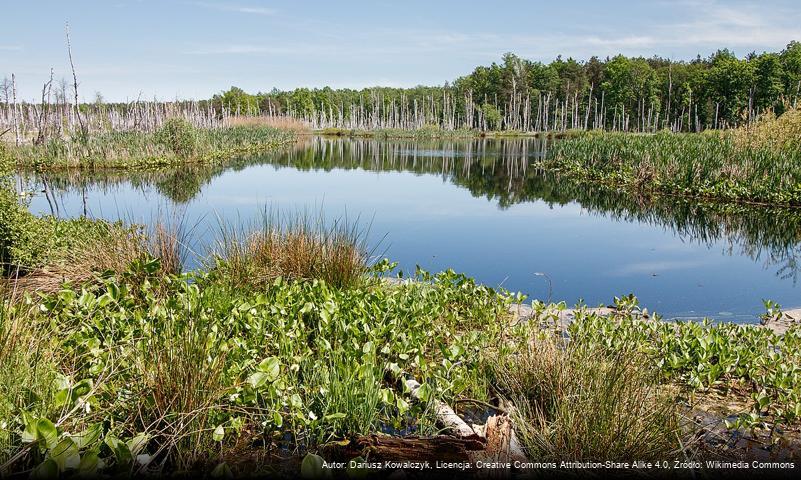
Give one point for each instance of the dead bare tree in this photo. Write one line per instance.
(75, 83)
(16, 119)
(44, 114)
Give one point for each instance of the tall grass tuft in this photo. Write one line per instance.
(576, 403)
(296, 247)
(182, 382)
(28, 369)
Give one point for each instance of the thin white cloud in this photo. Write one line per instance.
(249, 9)
(11, 48)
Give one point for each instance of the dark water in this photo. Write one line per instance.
(483, 208)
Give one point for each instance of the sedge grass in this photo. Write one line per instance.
(578, 403)
(137, 149)
(295, 247)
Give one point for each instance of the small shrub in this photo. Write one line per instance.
(179, 136)
(22, 238)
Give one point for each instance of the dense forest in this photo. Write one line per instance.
(617, 93)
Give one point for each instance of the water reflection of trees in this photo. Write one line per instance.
(502, 170)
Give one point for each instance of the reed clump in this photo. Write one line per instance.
(298, 248)
(177, 142)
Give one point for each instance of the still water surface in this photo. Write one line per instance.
(480, 207)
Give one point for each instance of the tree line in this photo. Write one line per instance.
(615, 93)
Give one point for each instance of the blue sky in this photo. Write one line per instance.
(192, 49)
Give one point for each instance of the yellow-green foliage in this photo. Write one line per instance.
(772, 132)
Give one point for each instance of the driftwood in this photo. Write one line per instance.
(502, 443)
(782, 322)
(445, 414)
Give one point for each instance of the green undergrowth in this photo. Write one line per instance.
(28, 242)
(196, 369)
(145, 368)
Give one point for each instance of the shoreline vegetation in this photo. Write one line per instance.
(175, 143)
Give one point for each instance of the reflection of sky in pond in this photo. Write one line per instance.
(427, 220)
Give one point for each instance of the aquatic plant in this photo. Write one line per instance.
(749, 359)
(187, 370)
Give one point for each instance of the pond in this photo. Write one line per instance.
(481, 207)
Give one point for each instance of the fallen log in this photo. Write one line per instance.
(391, 448)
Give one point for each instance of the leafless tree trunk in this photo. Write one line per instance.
(16, 119)
(44, 116)
(74, 83)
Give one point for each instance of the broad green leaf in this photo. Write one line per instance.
(29, 434)
(138, 443)
(219, 434)
(296, 401)
(65, 454)
(81, 389)
(278, 420)
(122, 454)
(312, 467)
(47, 432)
(258, 380)
(87, 437)
(89, 463)
(272, 367)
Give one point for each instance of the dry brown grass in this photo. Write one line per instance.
(108, 253)
(279, 122)
(113, 252)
